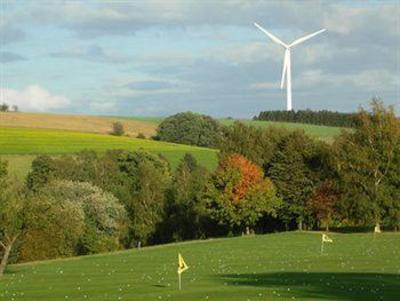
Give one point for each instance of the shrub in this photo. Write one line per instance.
(141, 136)
(117, 129)
(4, 107)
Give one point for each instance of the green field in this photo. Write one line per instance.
(285, 266)
(22, 144)
(326, 133)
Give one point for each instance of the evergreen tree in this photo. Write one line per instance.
(184, 218)
(292, 177)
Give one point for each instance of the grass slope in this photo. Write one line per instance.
(326, 133)
(81, 123)
(22, 141)
(286, 266)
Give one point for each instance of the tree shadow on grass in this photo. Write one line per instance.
(333, 286)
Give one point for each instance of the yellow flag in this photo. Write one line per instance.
(182, 266)
(325, 238)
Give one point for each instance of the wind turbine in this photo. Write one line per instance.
(286, 71)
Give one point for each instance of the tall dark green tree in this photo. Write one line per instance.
(147, 205)
(41, 172)
(183, 215)
(292, 176)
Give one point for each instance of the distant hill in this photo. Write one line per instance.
(81, 123)
(135, 125)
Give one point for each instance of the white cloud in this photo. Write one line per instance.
(374, 80)
(33, 98)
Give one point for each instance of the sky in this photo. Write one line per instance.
(160, 57)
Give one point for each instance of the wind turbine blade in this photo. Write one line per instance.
(301, 40)
(284, 69)
(272, 37)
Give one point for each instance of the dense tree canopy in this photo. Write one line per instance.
(324, 117)
(190, 128)
(96, 221)
(255, 143)
(184, 219)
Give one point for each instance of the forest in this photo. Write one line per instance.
(324, 117)
(267, 180)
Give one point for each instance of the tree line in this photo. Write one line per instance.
(4, 107)
(267, 179)
(323, 117)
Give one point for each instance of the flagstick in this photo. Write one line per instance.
(180, 281)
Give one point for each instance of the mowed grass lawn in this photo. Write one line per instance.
(16, 143)
(285, 266)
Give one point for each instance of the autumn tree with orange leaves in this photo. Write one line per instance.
(238, 195)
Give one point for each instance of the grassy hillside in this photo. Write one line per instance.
(80, 123)
(22, 142)
(322, 132)
(286, 266)
(319, 131)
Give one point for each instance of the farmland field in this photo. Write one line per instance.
(285, 266)
(22, 142)
(80, 123)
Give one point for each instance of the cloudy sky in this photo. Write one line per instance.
(158, 57)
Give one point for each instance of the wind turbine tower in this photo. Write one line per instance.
(287, 66)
